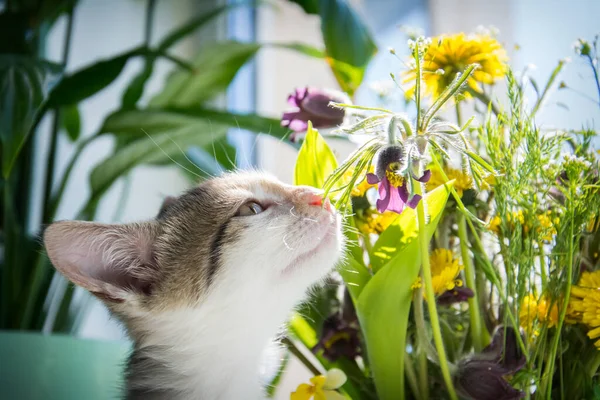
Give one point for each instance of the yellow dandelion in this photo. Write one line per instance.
(449, 55)
(462, 181)
(584, 304)
(361, 185)
(444, 271)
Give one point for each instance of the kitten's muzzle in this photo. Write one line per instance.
(312, 197)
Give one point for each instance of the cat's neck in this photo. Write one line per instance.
(211, 353)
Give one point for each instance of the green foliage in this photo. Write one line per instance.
(315, 160)
(384, 304)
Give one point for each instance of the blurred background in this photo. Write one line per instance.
(535, 33)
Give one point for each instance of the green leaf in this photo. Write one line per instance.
(315, 161)
(348, 76)
(196, 23)
(135, 122)
(403, 230)
(309, 6)
(355, 275)
(135, 89)
(88, 81)
(215, 67)
(346, 37)
(384, 304)
(155, 149)
(71, 121)
(24, 85)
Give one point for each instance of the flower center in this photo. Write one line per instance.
(392, 175)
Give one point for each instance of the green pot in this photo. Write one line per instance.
(34, 366)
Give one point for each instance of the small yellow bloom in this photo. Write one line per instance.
(321, 387)
(449, 55)
(545, 224)
(534, 309)
(462, 181)
(371, 221)
(444, 271)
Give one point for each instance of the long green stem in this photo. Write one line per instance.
(474, 315)
(489, 269)
(430, 295)
(423, 342)
(563, 312)
(412, 377)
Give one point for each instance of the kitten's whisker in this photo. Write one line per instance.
(187, 158)
(310, 219)
(275, 227)
(286, 243)
(292, 212)
(171, 158)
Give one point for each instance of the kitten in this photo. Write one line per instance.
(204, 287)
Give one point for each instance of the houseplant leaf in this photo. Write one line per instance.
(156, 148)
(215, 67)
(24, 86)
(135, 122)
(71, 121)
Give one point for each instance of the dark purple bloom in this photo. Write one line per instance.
(393, 187)
(482, 376)
(456, 295)
(339, 339)
(312, 104)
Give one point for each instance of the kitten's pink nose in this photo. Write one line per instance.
(314, 199)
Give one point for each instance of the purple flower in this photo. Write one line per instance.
(481, 376)
(456, 295)
(393, 187)
(312, 104)
(339, 339)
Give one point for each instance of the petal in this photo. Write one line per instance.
(372, 178)
(384, 195)
(483, 380)
(303, 392)
(298, 125)
(456, 295)
(412, 203)
(403, 191)
(426, 176)
(335, 378)
(396, 204)
(318, 104)
(333, 395)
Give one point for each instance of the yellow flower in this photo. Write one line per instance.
(371, 221)
(361, 184)
(449, 55)
(462, 181)
(537, 310)
(444, 271)
(584, 305)
(321, 387)
(545, 224)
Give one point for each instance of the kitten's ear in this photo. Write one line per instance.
(110, 261)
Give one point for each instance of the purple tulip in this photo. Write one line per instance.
(312, 104)
(481, 376)
(393, 187)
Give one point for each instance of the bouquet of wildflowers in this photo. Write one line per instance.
(473, 265)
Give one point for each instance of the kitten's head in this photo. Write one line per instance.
(231, 238)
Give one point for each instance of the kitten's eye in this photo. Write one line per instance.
(250, 208)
